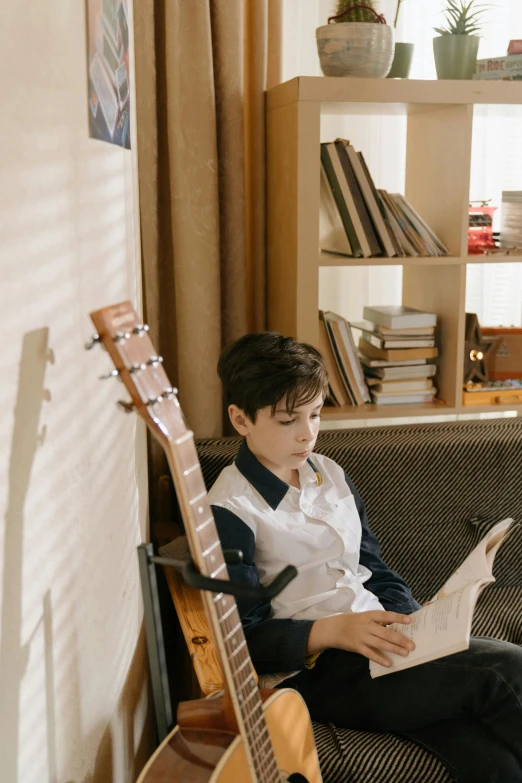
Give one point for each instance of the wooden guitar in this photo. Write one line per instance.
(245, 735)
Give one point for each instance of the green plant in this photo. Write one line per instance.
(363, 11)
(459, 18)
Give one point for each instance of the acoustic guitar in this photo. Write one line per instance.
(246, 735)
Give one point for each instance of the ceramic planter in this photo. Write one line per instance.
(455, 56)
(401, 64)
(355, 49)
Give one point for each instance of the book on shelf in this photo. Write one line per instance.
(412, 227)
(396, 354)
(402, 241)
(443, 626)
(400, 371)
(349, 363)
(405, 228)
(332, 168)
(347, 194)
(396, 342)
(384, 331)
(372, 200)
(432, 243)
(332, 235)
(369, 362)
(368, 238)
(338, 394)
(511, 219)
(403, 398)
(508, 67)
(393, 386)
(398, 316)
(388, 239)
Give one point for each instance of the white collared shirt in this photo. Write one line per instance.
(315, 528)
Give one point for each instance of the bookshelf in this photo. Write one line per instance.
(438, 163)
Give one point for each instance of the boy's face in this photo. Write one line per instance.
(283, 442)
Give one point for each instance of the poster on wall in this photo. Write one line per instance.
(108, 69)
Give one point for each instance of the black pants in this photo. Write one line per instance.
(465, 708)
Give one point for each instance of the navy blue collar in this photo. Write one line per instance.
(271, 488)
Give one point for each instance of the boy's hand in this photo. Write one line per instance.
(361, 632)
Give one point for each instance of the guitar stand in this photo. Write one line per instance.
(153, 628)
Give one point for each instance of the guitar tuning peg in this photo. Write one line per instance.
(120, 336)
(111, 374)
(140, 329)
(134, 368)
(93, 341)
(154, 400)
(127, 407)
(155, 360)
(169, 392)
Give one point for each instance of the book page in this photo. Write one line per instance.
(479, 563)
(438, 629)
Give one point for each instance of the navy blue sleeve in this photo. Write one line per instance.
(274, 645)
(391, 590)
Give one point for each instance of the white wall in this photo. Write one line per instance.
(73, 693)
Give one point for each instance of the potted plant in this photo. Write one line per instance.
(456, 47)
(356, 41)
(403, 55)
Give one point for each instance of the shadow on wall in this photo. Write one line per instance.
(26, 440)
(120, 740)
(125, 743)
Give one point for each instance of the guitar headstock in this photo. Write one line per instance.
(138, 365)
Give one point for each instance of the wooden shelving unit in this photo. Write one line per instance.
(438, 161)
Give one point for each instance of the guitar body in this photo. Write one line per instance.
(196, 755)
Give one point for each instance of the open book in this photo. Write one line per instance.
(443, 626)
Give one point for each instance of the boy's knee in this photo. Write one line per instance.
(498, 656)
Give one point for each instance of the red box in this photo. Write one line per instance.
(515, 47)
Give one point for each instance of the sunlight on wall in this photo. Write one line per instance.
(73, 671)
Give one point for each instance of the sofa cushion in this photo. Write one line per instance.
(349, 756)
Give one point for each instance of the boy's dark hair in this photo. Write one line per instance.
(260, 369)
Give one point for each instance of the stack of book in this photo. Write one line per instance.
(360, 221)
(511, 219)
(508, 68)
(347, 385)
(395, 346)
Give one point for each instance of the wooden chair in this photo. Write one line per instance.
(193, 621)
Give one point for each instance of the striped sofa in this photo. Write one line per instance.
(431, 491)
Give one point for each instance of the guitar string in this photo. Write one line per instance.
(261, 737)
(255, 714)
(242, 675)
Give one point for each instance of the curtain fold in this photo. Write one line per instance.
(202, 67)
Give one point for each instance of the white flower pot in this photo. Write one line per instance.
(356, 49)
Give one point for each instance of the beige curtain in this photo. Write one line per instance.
(202, 67)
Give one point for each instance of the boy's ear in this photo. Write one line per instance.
(239, 419)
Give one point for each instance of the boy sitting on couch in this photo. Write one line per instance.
(280, 503)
